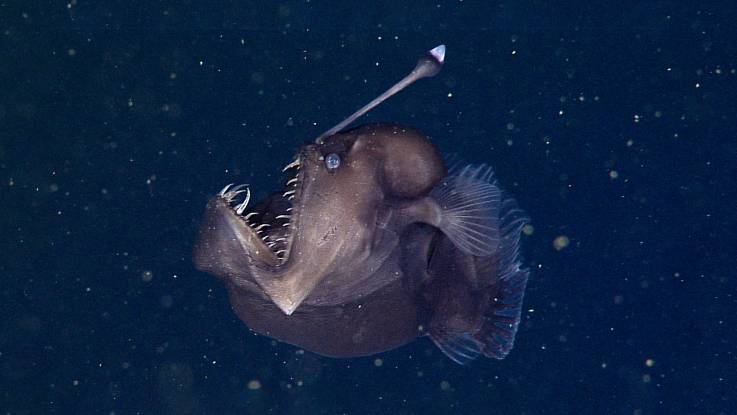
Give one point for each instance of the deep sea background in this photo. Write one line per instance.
(613, 124)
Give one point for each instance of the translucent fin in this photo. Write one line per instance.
(492, 331)
(502, 317)
(500, 326)
(470, 205)
(460, 348)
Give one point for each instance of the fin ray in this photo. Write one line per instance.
(461, 348)
(495, 331)
(504, 314)
(469, 203)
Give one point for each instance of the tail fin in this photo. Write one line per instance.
(504, 311)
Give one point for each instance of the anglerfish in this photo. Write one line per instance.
(372, 243)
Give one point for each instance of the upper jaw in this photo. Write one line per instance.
(271, 223)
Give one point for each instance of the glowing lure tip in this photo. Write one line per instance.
(438, 52)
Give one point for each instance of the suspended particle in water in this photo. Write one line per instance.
(561, 242)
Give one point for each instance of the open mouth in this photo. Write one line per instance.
(273, 219)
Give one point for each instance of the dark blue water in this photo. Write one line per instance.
(614, 126)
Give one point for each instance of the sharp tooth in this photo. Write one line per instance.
(232, 195)
(282, 252)
(229, 192)
(285, 225)
(293, 164)
(290, 197)
(294, 180)
(225, 190)
(270, 244)
(284, 217)
(289, 209)
(288, 193)
(242, 207)
(238, 188)
(280, 240)
(250, 215)
(261, 226)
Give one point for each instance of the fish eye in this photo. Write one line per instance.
(332, 161)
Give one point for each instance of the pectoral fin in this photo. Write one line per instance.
(469, 205)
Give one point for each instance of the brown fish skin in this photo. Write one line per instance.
(365, 266)
(383, 320)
